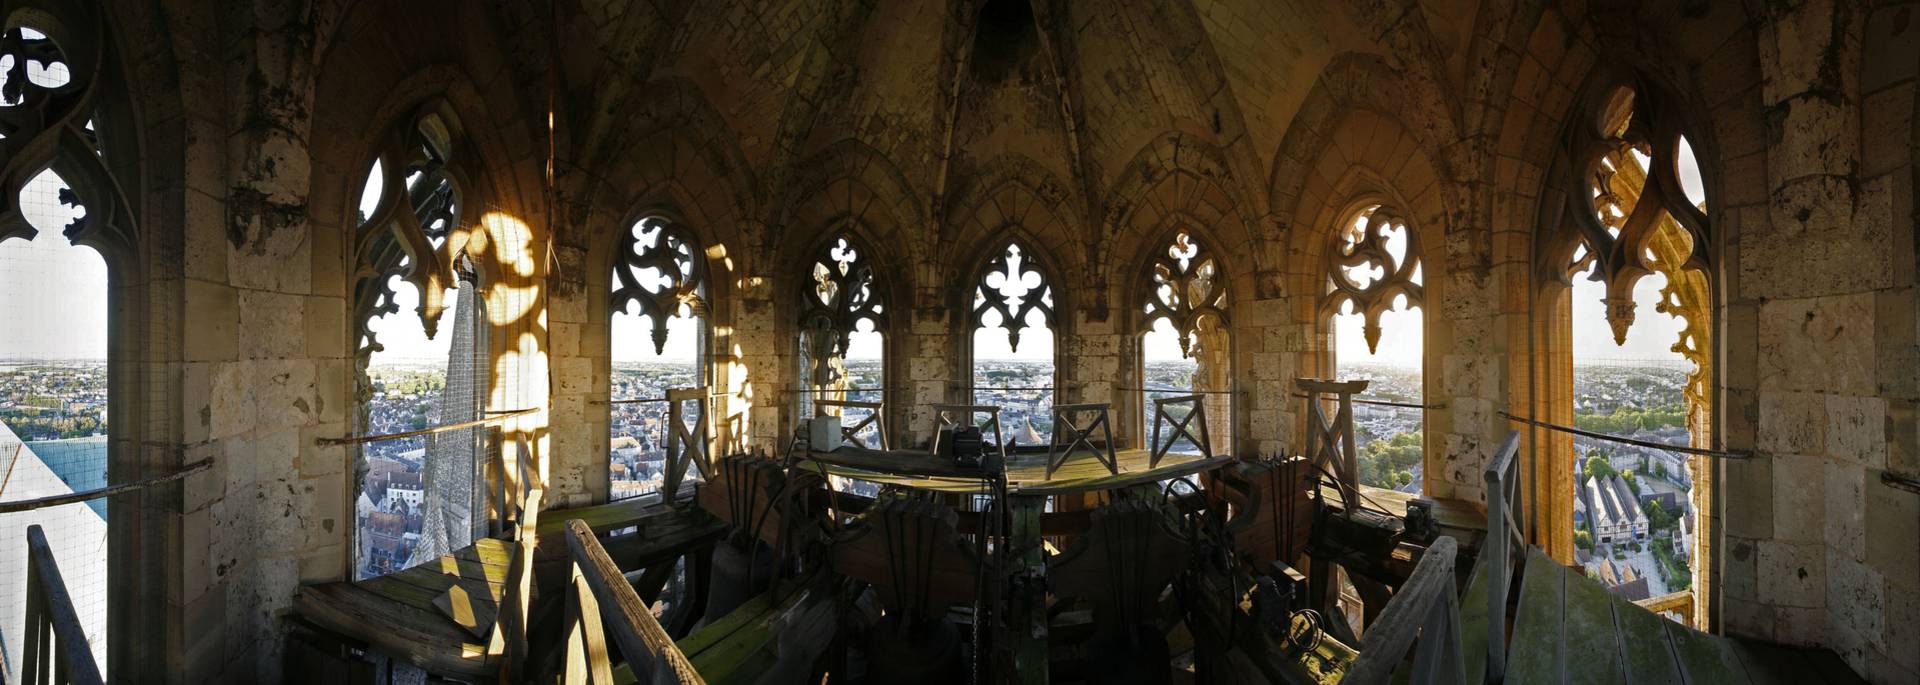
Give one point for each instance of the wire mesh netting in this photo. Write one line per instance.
(53, 413)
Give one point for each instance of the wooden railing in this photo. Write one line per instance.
(1505, 541)
(1426, 608)
(1196, 413)
(600, 602)
(876, 417)
(1330, 444)
(520, 475)
(55, 648)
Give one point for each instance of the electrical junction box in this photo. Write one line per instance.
(823, 433)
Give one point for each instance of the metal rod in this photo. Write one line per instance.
(109, 491)
(1722, 454)
(655, 400)
(823, 391)
(1185, 391)
(997, 387)
(1904, 482)
(363, 439)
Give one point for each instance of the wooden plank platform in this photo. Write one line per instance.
(1592, 640)
(1644, 647)
(1536, 655)
(436, 615)
(602, 518)
(423, 637)
(1570, 628)
(1026, 473)
(1474, 625)
(659, 529)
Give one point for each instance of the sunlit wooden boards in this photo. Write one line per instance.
(419, 636)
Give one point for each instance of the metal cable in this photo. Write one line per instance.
(1698, 451)
(1382, 403)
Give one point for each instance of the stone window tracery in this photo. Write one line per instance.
(1011, 367)
(1373, 266)
(660, 275)
(1640, 210)
(414, 222)
(842, 342)
(662, 271)
(840, 296)
(1185, 346)
(1626, 201)
(66, 230)
(1373, 275)
(1185, 288)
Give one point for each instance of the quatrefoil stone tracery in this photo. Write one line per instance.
(1361, 268)
(839, 292)
(661, 270)
(1185, 287)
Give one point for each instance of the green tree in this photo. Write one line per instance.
(1598, 466)
(1583, 540)
(1657, 517)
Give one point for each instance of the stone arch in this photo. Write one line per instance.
(872, 218)
(1557, 60)
(124, 69)
(1361, 83)
(675, 134)
(851, 180)
(1023, 198)
(502, 217)
(1174, 179)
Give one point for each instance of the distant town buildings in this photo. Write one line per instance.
(1614, 511)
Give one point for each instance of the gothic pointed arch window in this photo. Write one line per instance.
(1372, 304)
(418, 497)
(661, 339)
(842, 341)
(67, 242)
(1014, 324)
(1185, 344)
(1630, 229)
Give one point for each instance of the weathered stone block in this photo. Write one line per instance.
(1798, 488)
(210, 321)
(231, 407)
(1892, 528)
(1856, 598)
(284, 393)
(1792, 423)
(1856, 430)
(1810, 243)
(1792, 574)
(274, 325)
(1822, 344)
(1749, 517)
(1846, 510)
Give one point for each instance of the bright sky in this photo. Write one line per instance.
(992, 341)
(1651, 337)
(53, 294)
(633, 338)
(403, 336)
(1162, 343)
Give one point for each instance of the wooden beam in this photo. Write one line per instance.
(646, 646)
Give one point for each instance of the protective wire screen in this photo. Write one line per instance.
(53, 414)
